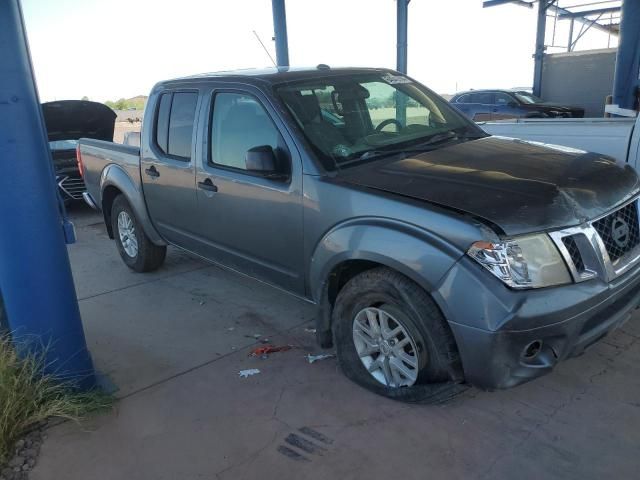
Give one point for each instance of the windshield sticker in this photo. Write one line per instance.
(394, 79)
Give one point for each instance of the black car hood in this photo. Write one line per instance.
(517, 186)
(549, 106)
(74, 119)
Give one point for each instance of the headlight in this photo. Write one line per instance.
(531, 261)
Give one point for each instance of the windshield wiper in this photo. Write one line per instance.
(420, 148)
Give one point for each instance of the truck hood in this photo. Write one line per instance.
(519, 187)
(74, 119)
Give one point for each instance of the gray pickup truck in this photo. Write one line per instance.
(434, 252)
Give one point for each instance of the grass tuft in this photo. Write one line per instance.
(28, 397)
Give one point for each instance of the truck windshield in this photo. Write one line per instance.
(346, 118)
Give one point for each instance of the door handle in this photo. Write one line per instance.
(207, 185)
(152, 172)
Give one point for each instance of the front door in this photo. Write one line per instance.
(167, 167)
(505, 107)
(248, 221)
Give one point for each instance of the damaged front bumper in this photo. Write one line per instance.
(507, 337)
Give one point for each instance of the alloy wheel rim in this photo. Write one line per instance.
(127, 234)
(385, 348)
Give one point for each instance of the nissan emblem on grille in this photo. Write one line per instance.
(620, 232)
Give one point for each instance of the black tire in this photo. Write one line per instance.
(439, 368)
(149, 256)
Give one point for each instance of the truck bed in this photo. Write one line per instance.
(609, 136)
(97, 155)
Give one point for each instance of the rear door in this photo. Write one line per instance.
(168, 172)
(484, 103)
(250, 222)
(464, 104)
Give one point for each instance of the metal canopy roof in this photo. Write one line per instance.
(603, 15)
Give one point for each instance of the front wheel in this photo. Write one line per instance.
(392, 339)
(135, 248)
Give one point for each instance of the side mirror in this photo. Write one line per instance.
(513, 104)
(262, 160)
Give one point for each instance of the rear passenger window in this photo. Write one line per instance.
(484, 98)
(174, 125)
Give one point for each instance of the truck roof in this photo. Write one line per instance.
(276, 75)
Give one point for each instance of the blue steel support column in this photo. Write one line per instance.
(401, 60)
(280, 30)
(538, 56)
(626, 79)
(35, 275)
(402, 20)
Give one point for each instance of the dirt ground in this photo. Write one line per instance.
(175, 340)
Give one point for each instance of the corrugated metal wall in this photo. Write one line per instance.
(579, 78)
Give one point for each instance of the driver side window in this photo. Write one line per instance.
(239, 123)
(384, 102)
(503, 99)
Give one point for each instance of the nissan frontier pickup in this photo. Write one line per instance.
(434, 252)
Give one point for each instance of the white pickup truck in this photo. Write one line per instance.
(616, 137)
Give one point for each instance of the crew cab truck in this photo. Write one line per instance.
(434, 252)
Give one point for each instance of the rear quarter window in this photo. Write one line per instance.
(162, 122)
(174, 123)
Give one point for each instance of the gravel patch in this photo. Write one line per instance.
(25, 455)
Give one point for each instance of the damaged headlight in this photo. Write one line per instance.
(531, 261)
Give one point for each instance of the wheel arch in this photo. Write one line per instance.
(116, 181)
(363, 244)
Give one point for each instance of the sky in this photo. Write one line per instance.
(113, 49)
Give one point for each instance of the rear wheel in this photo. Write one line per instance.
(135, 248)
(392, 339)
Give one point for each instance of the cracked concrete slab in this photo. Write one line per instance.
(185, 414)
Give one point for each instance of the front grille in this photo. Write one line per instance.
(72, 187)
(574, 253)
(619, 231)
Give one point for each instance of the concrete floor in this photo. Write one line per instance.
(174, 342)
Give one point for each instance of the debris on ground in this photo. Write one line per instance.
(317, 358)
(26, 454)
(248, 373)
(255, 336)
(230, 329)
(310, 330)
(267, 349)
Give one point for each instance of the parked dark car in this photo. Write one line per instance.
(66, 122)
(486, 105)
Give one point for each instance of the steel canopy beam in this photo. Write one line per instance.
(586, 13)
(35, 275)
(280, 32)
(495, 3)
(561, 11)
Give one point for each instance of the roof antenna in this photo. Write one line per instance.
(265, 49)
